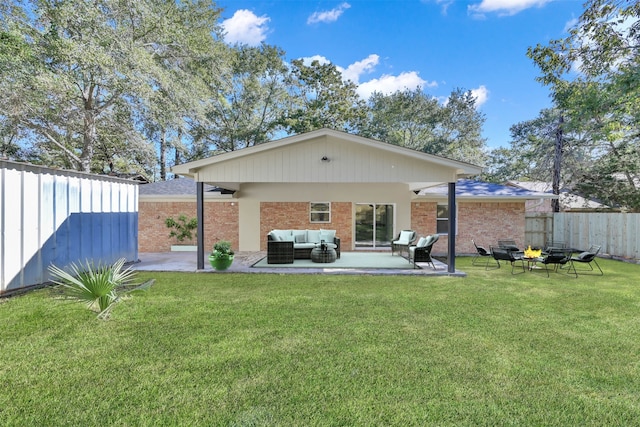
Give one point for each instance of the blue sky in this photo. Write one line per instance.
(440, 45)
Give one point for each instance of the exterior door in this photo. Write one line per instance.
(374, 225)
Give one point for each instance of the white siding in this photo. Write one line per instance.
(347, 163)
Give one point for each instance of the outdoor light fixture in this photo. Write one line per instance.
(325, 159)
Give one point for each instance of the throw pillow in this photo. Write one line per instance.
(405, 236)
(300, 238)
(422, 242)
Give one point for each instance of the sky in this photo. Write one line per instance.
(438, 45)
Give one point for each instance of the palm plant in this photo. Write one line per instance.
(99, 287)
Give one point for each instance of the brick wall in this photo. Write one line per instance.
(295, 215)
(221, 223)
(486, 223)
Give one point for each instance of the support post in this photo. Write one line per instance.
(451, 258)
(200, 216)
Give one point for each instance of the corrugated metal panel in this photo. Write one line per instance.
(59, 217)
(617, 233)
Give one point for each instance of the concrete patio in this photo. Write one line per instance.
(243, 262)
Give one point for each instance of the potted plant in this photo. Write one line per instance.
(182, 229)
(221, 256)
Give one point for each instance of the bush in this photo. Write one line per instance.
(98, 287)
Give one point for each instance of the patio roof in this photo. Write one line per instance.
(467, 189)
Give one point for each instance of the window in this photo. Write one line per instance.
(442, 220)
(320, 212)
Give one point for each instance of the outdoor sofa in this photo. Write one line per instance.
(283, 246)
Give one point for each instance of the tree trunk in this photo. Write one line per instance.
(89, 140)
(557, 165)
(163, 156)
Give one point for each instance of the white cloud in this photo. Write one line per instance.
(246, 28)
(309, 59)
(388, 84)
(329, 15)
(504, 7)
(355, 70)
(481, 95)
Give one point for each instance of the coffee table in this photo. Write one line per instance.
(324, 253)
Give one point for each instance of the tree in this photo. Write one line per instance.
(603, 97)
(320, 98)
(412, 119)
(532, 152)
(406, 118)
(93, 69)
(246, 105)
(459, 134)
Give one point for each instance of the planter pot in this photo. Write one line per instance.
(220, 264)
(184, 248)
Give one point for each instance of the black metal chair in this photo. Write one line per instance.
(587, 257)
(481, 252)
(557, 258)
(502, 254)
(511, 246)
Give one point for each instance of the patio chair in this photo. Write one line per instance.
(481, 252)
(554, 246)
(404, 240)
(511, 246)
(557, 258)
(422, 251)
(587, 257)
(502, 254)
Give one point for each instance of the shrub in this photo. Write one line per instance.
(99, 287)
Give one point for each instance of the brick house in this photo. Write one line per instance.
(365, 189)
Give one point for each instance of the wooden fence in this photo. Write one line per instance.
(617, 233)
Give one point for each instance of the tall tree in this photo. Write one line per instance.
(604, 96)
(247, 103)
(99, 65)
(413, 119)
(320, 98)
(408, 118)
(533, 148)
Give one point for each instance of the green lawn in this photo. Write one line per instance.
(255, 350)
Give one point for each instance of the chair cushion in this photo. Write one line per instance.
(405, 237)
(585, 255)
(422, 242)
(431, 239)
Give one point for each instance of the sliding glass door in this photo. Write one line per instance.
(374, 225)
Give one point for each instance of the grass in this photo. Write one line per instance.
(316, 350)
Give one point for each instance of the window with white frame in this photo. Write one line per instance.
(442, 218)
(320, 212)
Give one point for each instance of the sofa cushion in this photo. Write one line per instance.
(304, 245)
(282, 235)
(313, 236)
(327, 235)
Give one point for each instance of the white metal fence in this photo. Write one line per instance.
(49, 216)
